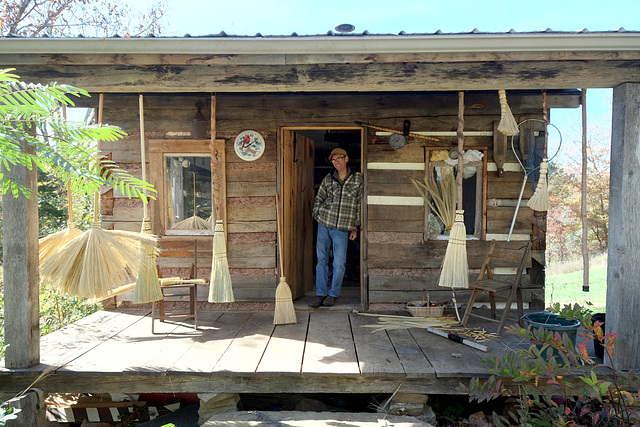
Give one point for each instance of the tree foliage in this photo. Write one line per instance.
(28, 116)
(564, 222)
(95, 18)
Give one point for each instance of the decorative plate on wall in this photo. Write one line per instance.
(249, 145)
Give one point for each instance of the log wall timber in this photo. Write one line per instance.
(401, 263)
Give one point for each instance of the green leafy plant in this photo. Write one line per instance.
(29, 117)
(556, 385)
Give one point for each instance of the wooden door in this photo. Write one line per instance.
(297, 196)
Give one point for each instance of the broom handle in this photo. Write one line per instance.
(96, 196)
(460, 135)
(215, 181)
(69, 192)
(279, 233)
(143, 155)
(414, 135)
(194, 194)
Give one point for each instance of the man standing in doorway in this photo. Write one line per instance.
(337, 210)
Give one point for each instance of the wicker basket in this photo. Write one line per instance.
(424, 309)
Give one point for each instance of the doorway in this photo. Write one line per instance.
(303, 165)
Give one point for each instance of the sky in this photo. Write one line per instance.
(308, 17)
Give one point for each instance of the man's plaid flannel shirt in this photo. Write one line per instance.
(337, 203)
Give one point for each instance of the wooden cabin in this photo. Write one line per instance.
(307, 95)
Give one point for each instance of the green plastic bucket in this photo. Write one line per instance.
(554, 323)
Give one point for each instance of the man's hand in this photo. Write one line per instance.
(353, 235)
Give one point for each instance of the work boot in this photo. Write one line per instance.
(329, 301)
(317, 302)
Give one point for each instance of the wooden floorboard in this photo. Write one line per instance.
(245, 351)
(374, 349)
(329, 349)
(286, 348)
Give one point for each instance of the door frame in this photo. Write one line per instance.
(285, 164)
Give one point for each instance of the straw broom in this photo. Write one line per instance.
(540, 199)
(508, 124)
(97, 261)
(455, 268)
(147, 284)
(285, 312)
(49, 244)
(220, 289)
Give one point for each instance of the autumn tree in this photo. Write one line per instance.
(564, 219)
(69, 18)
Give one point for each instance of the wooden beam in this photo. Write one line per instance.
(437, 76)
(623, 270)
(21, 279)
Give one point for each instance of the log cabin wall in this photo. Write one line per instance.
(400, 262)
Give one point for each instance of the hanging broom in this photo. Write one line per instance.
(284, 313)
(455, 268)
(194, 222)
(540, 199)
(49, 244)
(508, 124)
(220, 289)
(147, 284)
(97, 261)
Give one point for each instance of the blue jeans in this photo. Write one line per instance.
(340, 240)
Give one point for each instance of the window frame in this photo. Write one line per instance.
(159, 150)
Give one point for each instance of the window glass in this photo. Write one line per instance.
(188, 194)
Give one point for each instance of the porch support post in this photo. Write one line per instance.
(20, 270)
(623, 268)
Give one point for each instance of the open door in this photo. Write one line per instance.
(297, 196)
(303, 165)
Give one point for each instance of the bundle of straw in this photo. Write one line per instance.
(540, 199)
(508, 124)
(285, 312)
(440, 195)
(220, 289)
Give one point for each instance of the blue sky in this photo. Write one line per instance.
(283, 17)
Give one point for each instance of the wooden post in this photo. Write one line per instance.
(623, 269)
(21, 271)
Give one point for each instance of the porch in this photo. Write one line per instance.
(329, 350)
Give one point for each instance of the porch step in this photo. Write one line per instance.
(312, 419)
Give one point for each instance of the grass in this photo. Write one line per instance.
(564, 285)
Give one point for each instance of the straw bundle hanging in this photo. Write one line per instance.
(94, 263)
(220, 289)
(285, 312)
(540, 199)
(147, 284)
(508, 124)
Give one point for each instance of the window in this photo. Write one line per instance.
(188, 193)
(440, 161)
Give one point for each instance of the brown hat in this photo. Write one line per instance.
(337, 151)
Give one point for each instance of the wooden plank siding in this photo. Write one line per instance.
(400, 263)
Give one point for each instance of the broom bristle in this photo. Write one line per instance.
(285, 313)
(192, 223)
(455, 268)
(508, 124)
(50, 244)
(220, 289)
(97, 261)
(147, 284)
(540, 199)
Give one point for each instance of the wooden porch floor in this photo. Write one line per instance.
(328, 350)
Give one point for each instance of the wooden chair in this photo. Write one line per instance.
(487, 283)
(177, 289)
